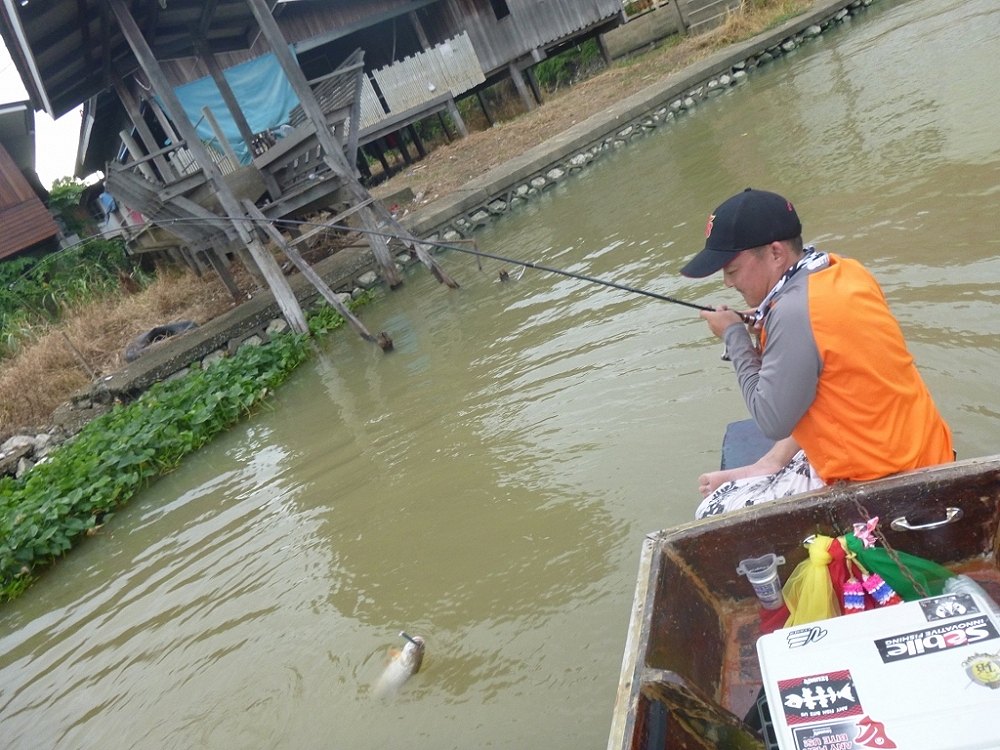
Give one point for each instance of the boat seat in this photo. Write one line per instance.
(743, 444)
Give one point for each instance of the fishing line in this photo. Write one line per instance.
(479, 254)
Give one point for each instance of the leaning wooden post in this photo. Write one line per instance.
(228, 97)
(145, 134)
(375, 217)
(224, 144)
(306, 270)
(283, 294)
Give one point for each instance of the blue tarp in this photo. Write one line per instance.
(262, 90)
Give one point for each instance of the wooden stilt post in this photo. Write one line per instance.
(214, 70)
(137, 155)
(147, 60)
(486, 111)
(145, 134)
(306, 270)
(161, 117)
(605, 52)
(522, 88)
(222, 270)
(444, 126)
(536, 90)
(224, 144)
(374, 217)
(417, 142)
(404, 151)
(456, 117)
(379, 150)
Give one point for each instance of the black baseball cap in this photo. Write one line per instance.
(749, 219)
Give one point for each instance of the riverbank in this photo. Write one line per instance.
(463, 186)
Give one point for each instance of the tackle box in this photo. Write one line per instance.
(922, 675)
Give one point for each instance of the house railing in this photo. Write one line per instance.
(417, 79)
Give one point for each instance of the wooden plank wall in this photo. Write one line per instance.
(531, 25)
(702, 15)
(449, 66)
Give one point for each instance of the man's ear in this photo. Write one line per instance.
(777, 252)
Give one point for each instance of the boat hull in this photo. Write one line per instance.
(690, 673)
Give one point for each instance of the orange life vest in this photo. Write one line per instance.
(872, 415)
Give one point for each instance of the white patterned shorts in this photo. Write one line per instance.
(795, 477)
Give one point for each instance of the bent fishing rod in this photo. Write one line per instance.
(482, 254)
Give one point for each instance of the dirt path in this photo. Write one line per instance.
(451, 165)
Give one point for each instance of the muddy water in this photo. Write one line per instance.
(487, 484)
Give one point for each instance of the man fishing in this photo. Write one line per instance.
(829, 379)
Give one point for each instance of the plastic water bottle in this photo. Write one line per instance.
(962, 584)
(762, 572)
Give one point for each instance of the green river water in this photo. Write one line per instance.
(487, 485)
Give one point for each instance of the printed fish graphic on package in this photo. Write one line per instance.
(819, 697)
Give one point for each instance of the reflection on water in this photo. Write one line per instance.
(487, 484)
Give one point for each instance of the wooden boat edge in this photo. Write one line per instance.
(625, 718)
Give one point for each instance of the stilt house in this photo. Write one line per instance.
(169, 87)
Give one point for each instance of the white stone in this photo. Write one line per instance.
(212, 357)
(497, 207)
(182, 373)
(537, 183)
(555, 174)
(278, 325)
(13, 443)
(24, 465)
(367, 280)
(344, 298)
(811, 31)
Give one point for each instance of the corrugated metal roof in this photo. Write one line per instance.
(66, 50)
(24, 220)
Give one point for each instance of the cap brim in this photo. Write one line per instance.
(706, 263)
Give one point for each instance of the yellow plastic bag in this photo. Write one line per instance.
(809, 593)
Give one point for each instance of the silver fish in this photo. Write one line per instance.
(404, 663)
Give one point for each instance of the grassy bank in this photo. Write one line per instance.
(64, 499)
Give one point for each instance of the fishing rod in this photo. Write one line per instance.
(482, 254)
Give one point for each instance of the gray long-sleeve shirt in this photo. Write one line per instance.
(779, 386)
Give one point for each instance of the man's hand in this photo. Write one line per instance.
(720, 319)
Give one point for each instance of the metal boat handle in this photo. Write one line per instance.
(951, 515)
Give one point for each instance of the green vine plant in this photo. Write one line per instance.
(81, 484)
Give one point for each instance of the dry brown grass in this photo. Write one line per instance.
(47, 372)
